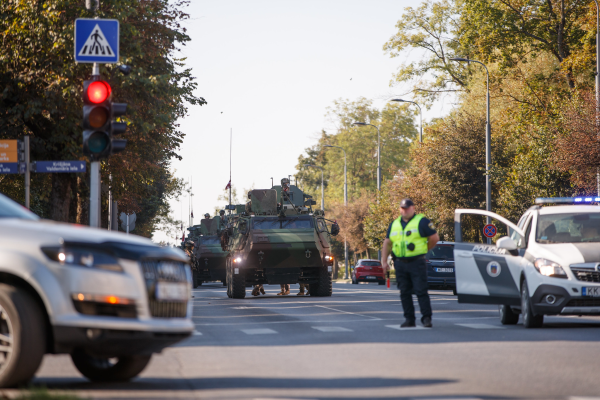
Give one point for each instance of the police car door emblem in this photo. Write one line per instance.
(308, 253)
(493, 269)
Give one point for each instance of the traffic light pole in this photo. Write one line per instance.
(95, 179)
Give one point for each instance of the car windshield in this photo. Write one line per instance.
(370, 264)
(568, 228)
(282, 223)
(10, 209)
(441, 252)
(210, 240)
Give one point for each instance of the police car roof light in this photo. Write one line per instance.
(567, 200)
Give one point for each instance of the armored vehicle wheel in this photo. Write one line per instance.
(529, 319)
(224, 283)
(194, 279)
(22, 336)
(507, 315)
(323, 287)
(236, 284)
(118, 369)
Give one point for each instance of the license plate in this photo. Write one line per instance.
(444, 270)
(591, 291)
(172, 291)
(371, 277)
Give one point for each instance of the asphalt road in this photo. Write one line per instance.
(350, 346)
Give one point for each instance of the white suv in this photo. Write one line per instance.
(548, 265)
(108, 299)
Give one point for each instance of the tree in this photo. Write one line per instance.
(42, 97)
(435, 28)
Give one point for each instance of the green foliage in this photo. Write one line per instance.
(41, 97)
(380, 215)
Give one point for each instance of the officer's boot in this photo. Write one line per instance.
(262, 289)
(282, 290)
(287, 289)
(255, 291)
(301, 292)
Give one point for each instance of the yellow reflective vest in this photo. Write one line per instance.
(408, 242)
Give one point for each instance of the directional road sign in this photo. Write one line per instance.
(96, 40)
(9, 151)
(59, 166)
(489, 231)
(9, 168)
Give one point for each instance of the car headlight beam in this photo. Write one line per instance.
(83, 257)
(549, 268)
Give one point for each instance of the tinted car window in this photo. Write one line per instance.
(370, 264)
(285, 223)
(10, 209)
(441, 252)
(568, 228)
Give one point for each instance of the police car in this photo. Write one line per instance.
(549, 264)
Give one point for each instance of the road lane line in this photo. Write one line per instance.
(481, 326)
(351, 313)
(196, 333)
(405, 329)
(259, 331)
(332, 329)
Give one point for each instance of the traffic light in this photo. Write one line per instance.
(98, 124)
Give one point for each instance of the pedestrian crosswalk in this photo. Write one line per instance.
(341, 329)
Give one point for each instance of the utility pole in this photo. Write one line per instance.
(27, 147)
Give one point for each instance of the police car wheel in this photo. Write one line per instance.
(529, 319)
(103, 369)
(507, 315)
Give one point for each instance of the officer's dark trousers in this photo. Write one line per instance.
(412, 278)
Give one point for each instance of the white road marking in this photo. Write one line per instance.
(332, 329)
(196, 333)
(405, 329)
(481, 326)
(351, 313)
(259, 331)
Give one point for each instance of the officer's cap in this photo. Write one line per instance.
(406, 203)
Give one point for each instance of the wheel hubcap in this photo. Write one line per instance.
(6, 338)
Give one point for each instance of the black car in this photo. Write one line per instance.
(440, 267)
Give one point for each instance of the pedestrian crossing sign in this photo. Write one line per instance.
(96, 40)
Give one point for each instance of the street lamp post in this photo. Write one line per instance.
(420, 116)
(378, 167)
(322, 191)
(345, 204)
(597, 79)
(488, 143)
(378, 152)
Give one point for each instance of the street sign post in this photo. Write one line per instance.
(127, 222)
(96, 40)
(489, 231)
(59, 166)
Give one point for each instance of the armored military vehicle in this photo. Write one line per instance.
(278, 240)
(208, 258)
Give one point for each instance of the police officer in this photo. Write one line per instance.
(409, 238)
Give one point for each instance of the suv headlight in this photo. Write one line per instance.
(83, 257)
(549, 268)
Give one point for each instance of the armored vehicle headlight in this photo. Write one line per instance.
(82, 257)
(549, 268)
(328, 258)
(237, 260)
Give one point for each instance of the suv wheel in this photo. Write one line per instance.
(507, 315)
(529, 319)
(22, 336)
(117, 369)
(323, 287)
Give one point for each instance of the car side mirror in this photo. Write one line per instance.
(508, 244)
(335, 229)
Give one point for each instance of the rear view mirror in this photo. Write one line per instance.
(506, 243)
(335, 229)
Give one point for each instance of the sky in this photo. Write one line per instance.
(269, 69)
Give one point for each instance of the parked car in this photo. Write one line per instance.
(108, 299)
(368, 271)
(440, 267)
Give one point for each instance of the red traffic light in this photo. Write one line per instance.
(98, 91)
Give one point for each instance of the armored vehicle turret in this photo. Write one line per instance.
(279, 240)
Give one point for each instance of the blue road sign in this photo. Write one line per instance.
(96, 40)
(9, 168)
(59, 166)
